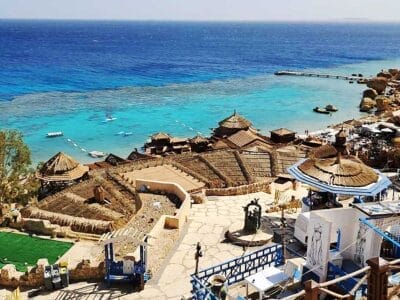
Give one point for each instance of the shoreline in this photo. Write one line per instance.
(210, 102)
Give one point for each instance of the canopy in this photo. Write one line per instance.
(61, 167)
(380, 183)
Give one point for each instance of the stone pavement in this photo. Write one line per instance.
(207, 225)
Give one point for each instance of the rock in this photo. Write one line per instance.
(394, 72)
(370, 93)
(385, 74)
(367, 104)
(396, 142)
(382, 103)
(396, 121)
(378, 84)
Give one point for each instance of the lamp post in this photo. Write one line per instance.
(283, 206)
(197, 256)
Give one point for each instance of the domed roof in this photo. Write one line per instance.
(61, 167)
(339, 171)
(235, 121)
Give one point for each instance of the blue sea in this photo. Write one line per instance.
(177, 77)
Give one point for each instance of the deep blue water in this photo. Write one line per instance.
(43, 56)
(181, 78)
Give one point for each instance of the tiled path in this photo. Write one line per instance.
(207, 225)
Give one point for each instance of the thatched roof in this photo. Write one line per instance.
(324, 151)
(198, 140)
(244, 137)
(114, 160)
(160, 136)
(76, 223)
(282, 131)
(177, 140)
(61, 167)
(347, 171)
(235, 121)
(135, 155)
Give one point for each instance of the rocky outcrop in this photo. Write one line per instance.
(367, 104)
(370, 93)
(382, 103)
(394, 72)
(384, 74)
(379, 84)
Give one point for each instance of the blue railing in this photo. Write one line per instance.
(346, 285)
(237, 269)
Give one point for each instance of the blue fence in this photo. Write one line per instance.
(346, 285)
(236, 270)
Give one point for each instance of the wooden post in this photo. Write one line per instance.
(378, 279)
(311, 287)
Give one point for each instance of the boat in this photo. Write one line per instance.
(97, 154)
(121, 133)
(128, 133)
(54, 134)
(109, 118)
(321, 110)
(331, 108)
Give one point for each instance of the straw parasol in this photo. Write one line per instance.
(345, 176)
(61, 167)
(339, 171)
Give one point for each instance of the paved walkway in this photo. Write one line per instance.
(208, 223)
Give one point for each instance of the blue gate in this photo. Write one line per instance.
(236, 270)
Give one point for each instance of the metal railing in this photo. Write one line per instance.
(236, 270)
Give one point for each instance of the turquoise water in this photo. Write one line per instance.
(269, 101)
(177, 77)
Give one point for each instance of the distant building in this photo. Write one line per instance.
(283, 136)
(231, 125)
(59, 172)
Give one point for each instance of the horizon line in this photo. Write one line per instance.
(342, 20)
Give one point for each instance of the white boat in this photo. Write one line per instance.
(54, 134)
(128, 133)
(109, 119)
(97, 154)
(121, 133)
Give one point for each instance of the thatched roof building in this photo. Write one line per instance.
(61, 167)
(160, 136)
(231, 125)
(283, 135)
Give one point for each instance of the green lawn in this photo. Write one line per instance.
(19, 249)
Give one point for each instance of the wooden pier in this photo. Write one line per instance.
(359, 78)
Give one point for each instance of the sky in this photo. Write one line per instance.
(201, 10)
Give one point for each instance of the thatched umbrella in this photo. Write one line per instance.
(61, 167)
(345, 176)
